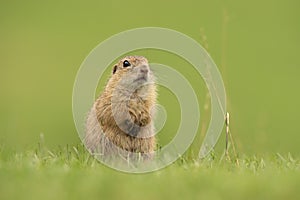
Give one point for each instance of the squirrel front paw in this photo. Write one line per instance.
(130, 128)
(143, 119)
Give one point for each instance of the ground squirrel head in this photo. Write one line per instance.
(131, 73)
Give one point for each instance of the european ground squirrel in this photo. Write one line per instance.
(121, 119)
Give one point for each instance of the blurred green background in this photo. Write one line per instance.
(255, 44)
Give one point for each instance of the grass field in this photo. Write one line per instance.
(255, 45)
(71, 173)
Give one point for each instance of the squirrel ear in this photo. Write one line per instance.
(115, 69)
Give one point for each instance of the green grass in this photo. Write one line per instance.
(255, 44)
(71, 173)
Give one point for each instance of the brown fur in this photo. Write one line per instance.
(121, 119)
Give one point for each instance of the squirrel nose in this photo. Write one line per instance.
(144, 69)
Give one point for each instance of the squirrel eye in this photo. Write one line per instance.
(126, 63)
